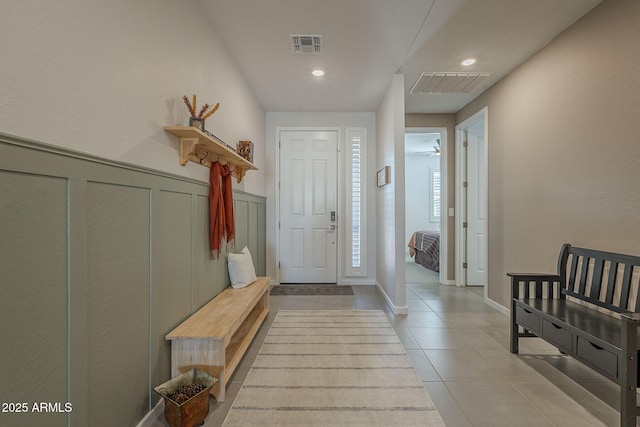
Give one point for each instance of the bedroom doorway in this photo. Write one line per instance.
(472, 201)
(423, 200)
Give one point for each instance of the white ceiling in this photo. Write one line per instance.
(420, 143)
(367, 41)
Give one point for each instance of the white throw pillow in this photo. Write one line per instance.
(241, 271)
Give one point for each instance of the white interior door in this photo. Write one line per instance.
(476, 209)
(472, 261)
(308, 204)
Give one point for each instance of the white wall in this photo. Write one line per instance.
(311, 121)
(104, 77)
(390, 257)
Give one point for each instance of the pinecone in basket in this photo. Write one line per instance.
(186, 392)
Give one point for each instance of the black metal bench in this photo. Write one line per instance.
(587, 310)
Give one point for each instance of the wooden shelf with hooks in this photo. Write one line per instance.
(201, 148)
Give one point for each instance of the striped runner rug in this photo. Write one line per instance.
(332, 368)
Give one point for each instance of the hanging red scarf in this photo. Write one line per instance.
(227, 195)
(221, 224)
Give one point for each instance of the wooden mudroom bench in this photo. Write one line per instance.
(215, 338)
(588, 310)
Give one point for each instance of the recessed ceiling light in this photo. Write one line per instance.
(468, 61)
(318, 73)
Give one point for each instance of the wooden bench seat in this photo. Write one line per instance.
(589, 310)
(215, 338)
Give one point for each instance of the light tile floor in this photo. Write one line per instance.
(459, 346)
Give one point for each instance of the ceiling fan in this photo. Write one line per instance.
(435, 151)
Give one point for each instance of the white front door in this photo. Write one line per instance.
(476, 209)
(308, 205)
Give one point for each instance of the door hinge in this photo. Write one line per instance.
(278, 265)
(465, 225)
(465, 144)
(465, 184)
(278, 225)
(464, 265)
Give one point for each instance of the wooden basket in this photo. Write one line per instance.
(193, 411)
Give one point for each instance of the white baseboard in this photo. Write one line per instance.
(394, 308)
(358, 282)
(496, 306)
(153, 415)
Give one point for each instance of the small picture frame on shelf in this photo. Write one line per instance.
(245, 150)
(384, 176)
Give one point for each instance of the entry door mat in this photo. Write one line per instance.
(332, 368)
(311, 290)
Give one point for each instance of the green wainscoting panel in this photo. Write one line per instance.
(172, 284)
(99, 261)
(250, 215)
(118, 262)
(208, 277)
(33, 299)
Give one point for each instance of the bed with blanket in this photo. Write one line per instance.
(424, 246)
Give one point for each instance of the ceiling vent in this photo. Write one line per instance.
(448, 82)
(305, 43)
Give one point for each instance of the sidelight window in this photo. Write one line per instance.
(356, 191)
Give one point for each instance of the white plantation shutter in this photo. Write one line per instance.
(435, 195)
(356, 182)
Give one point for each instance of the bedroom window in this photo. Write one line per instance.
(356, 245)
(434, 214)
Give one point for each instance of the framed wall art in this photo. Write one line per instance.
(384, 176)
